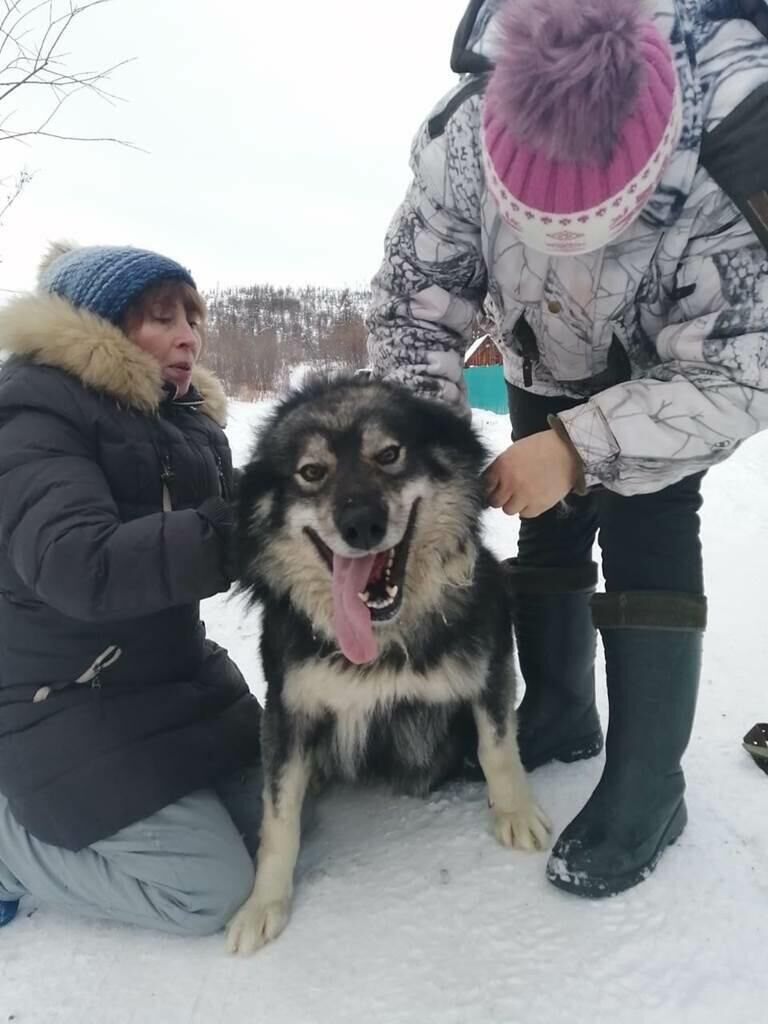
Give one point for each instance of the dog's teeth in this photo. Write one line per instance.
(364, 596)
(391, 558)
(383, 602)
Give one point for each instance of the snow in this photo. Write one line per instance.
(408, 910)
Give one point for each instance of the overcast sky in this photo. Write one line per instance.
(277, 136)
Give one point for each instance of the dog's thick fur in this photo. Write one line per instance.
(340, 459)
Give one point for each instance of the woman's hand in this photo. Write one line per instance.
(532, 475)
(220, 513)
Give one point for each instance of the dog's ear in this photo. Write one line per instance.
(256, 479)
(452, 433)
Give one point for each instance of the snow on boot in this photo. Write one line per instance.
(557, 719)
(652, 644)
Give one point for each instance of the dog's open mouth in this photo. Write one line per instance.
(366, 591)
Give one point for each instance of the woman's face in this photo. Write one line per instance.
(168, 328)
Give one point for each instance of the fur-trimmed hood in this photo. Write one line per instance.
(52, 332)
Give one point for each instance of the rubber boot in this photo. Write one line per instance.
(8, 910)
(652, 647)
(557, 719)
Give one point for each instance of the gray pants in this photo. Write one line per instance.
(185, 869)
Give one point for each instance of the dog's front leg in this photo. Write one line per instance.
(519, 820)
(265, 913)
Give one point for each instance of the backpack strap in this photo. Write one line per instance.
(755, 11)
(735, 154)
(471, 87)
(463, 60)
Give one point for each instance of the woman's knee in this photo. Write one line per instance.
(210, 873)
(214, 899)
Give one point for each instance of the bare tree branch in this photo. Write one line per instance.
(39, 133)
(33, 61)
(41, 130)
(14, 191)
(31, 36)
(51, 79)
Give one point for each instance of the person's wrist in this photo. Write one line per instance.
(572, 458)
(218, 512)
(577, 480)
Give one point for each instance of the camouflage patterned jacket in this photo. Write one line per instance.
(664, 334)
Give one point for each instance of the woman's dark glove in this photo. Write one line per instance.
(221, 515)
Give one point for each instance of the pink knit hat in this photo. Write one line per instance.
(582, 112)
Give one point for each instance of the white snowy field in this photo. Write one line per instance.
(408, 910)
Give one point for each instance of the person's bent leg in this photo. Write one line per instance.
(184, 869)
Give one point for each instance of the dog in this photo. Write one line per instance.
(387, 635)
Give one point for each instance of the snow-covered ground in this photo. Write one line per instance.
(409, 911)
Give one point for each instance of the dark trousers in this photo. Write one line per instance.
(647, 542)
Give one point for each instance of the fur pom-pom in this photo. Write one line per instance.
(568, 73)
(54, 250)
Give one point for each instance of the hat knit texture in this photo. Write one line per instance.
(106, 279)
(582, 109)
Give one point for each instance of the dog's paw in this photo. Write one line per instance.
(526, 829)
(256, 924)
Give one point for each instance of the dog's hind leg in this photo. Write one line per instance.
(265, 913)
(519, 821)
(421, 752)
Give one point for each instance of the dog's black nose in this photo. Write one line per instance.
(362, 524)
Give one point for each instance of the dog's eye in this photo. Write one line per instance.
(313, 472)
(389, 455)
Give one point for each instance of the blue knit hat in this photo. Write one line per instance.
(106, 279)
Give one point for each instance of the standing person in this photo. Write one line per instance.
(597, 179)
(129, 743)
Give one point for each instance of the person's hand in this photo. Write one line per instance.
(532, 475)
(221, 515)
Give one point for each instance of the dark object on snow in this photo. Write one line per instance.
(8, 910)
(756, 745)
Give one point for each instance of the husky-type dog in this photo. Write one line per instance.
(387, 634)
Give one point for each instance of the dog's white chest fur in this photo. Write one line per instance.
(317, 687)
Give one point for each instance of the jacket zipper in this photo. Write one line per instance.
(166, 477)
(529, 350)
(91, 675)
(222, 477)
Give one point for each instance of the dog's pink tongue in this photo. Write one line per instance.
(352, 617)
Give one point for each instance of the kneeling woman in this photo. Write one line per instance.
(129, 779)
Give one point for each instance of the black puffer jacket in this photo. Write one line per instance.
(112, 702)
